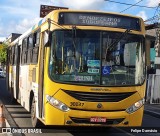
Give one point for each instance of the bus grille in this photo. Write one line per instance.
(98, 97)
(87, 121)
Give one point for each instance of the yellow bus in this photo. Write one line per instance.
(80, 68)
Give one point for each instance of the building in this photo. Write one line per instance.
(150, 47)
(11, 37)
(153, 63)
(153, 45)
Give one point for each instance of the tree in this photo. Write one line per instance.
(3, 53)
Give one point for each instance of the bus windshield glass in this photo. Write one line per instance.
(97, 58)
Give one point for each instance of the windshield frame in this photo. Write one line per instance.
(100, 78)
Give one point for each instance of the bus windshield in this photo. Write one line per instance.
(97, 58)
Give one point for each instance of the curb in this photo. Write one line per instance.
(152, 113)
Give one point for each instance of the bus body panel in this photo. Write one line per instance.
(56, 117)
(24, 86)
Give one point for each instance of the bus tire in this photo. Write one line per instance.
(35, 121)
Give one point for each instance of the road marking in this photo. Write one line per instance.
(153, 112)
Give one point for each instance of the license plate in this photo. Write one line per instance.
(97, 119)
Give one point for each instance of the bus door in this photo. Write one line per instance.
(41, 72)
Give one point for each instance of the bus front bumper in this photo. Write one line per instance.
(54, 116)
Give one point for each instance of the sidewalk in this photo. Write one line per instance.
(152, 109)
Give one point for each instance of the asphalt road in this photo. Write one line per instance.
(17, 116)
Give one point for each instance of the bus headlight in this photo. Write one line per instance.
(56, 103)
(135, 106)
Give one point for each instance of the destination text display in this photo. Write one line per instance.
(99, 19)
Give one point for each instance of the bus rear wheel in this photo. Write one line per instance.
(35, 121)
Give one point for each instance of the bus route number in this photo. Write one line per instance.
(76, 104)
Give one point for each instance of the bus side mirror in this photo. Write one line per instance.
(47, 39)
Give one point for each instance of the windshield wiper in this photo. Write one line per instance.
(123, 35)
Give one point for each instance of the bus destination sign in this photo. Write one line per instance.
(99, 19)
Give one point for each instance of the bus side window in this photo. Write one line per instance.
(16, 53)
(30, 48)
(12, 55)
(36, 39)
(24, 51)
(9, 55)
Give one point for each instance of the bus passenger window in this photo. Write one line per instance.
(16, 54)
(24, 51)
(12, 55)
(30, 42)
(36, 38)
(30, 48)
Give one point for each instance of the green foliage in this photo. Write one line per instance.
(3, 53)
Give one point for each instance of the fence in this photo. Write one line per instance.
(153, 89)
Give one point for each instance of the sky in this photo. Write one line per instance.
(16, 16)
